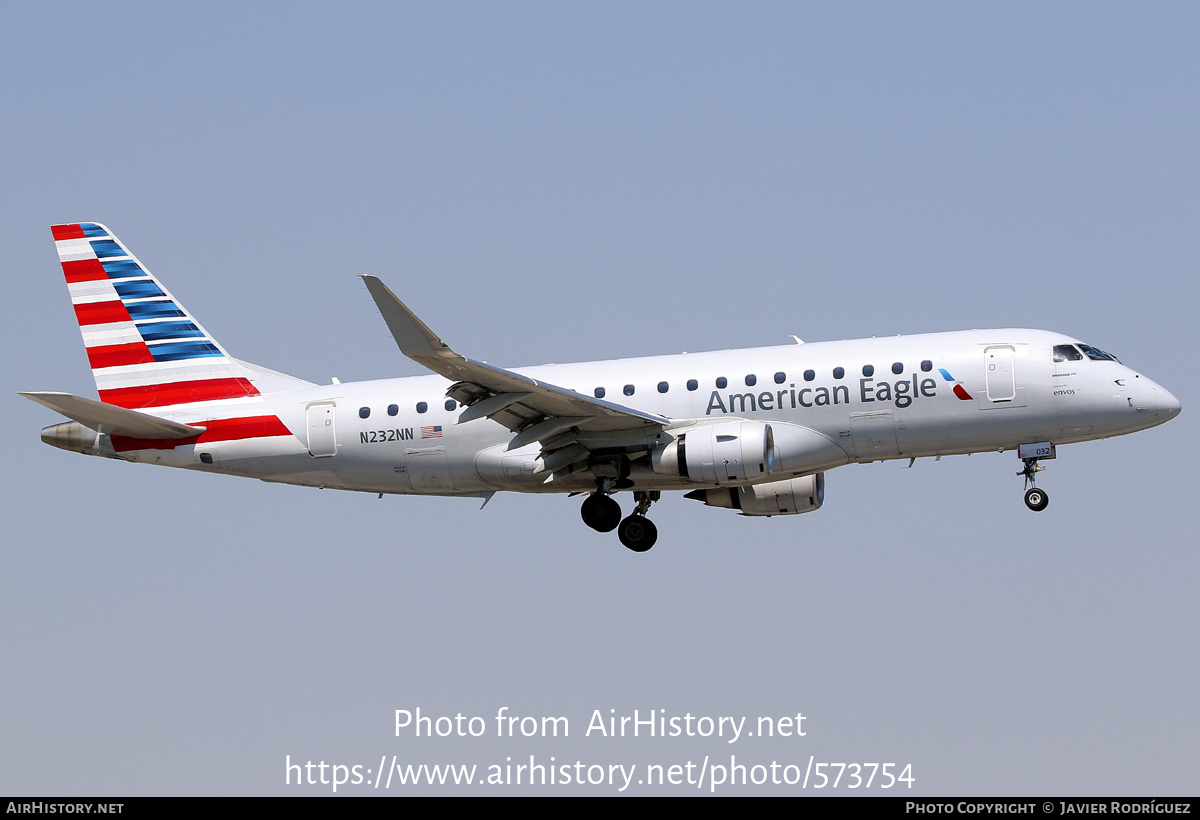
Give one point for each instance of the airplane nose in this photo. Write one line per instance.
(1161, 403)
(1171, 405)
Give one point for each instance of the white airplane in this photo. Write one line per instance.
(748, 430)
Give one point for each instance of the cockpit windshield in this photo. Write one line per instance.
(1070, 353)
(1098, 355)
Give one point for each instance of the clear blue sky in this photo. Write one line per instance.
(566, 181)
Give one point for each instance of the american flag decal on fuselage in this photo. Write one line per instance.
(145, 350)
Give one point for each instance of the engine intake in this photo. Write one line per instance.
(741, 452)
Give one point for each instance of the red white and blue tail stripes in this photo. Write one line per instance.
(145, 349)
(148, 353)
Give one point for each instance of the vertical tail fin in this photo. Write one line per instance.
(145, 349)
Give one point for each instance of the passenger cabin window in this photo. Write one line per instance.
(663, 387)
(780, 377)
(722, 382)
(628, 391)
(393, 409)
(422, 407)
(693, 384)
(839, 372)
(751, 380)
(364, 412)
(450, 404)
(926, 366)
(599, 392)
(898, 368)
(868, 370)
(809, 375)
(1067, 353)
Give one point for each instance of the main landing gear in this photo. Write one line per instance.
(1035, 499)
(603, 514)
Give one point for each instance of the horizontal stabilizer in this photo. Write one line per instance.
(111, 419)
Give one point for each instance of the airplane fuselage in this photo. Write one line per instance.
(401, 436)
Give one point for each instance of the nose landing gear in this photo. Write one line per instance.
(1035, 499)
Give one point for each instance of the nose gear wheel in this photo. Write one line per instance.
(1035, 499)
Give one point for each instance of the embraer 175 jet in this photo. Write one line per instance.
(747, 430)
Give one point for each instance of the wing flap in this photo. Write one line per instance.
(490, 406)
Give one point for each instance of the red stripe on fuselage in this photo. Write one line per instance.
(218, 430)
(67, 232)
(166, 394)
(236, 429)
(84, 270)
(117, 355)
(101, 313)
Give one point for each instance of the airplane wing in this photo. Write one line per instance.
(534, 410)
(111, 419)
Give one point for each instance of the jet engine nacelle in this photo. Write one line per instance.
(728, 453)
(712, 453)
(790, 497)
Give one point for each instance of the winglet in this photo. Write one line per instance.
(413, 337)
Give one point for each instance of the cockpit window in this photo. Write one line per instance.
(1067, 353)
(1097, 355)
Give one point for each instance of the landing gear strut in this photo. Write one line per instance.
(1035, 499)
